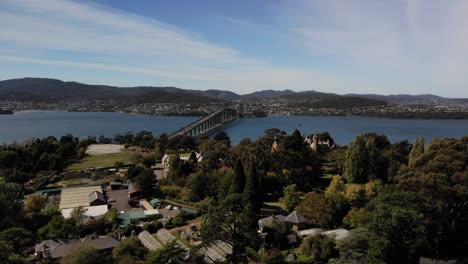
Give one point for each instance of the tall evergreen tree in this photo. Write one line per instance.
(416, 151)
(233, 223)
(238, 182)
(356, 164)
(193, 157)
(251, 191)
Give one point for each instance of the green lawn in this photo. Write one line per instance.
(107, 160)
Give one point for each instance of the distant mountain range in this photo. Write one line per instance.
(51, 88)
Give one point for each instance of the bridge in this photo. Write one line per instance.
(208, 123)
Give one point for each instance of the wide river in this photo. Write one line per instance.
(24, 125)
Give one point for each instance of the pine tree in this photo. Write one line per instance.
(251, 193)
(193, 158)
(238, 183)
(416, 151)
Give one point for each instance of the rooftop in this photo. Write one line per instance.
(96, 196)
(91, 211)
(77, 196)
(60, 248)
(149, 241)
(295, 218)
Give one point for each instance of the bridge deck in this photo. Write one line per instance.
(202, 120)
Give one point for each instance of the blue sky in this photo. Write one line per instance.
(340, 46)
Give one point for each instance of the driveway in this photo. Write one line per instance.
(121, 199)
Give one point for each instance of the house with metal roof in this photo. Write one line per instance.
(54, 249)
(91, 198)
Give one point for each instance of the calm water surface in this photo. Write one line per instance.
(21, 126)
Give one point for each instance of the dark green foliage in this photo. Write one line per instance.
(319, 247)
(149, 160)
(181, 143)
(11, 204)
(276, 234)
(295, 142)
(83, 254)
(8, 255)
(7, 159)
(440, 177)
(416, 151)
(325, 136)
(233, 223)
(18, 238)
(272, 256)
(152, 227)
(130, 247)
(58, 227)
(396, 223)
(193, 158)
(203, 185)
(19, 163)
(146, 183)
(252, 194)
(238, 182)
(144, 139)
(354, 248)
(365, 160)
(223, 136)
(169, 253)
(134, 171)
(397, 156)
(179, 170)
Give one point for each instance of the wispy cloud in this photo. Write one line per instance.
(424, 41)
(54, 24)
(399, 46)
(96, 37)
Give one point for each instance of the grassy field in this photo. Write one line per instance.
(107, 160)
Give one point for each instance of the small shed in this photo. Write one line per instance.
(297, 221)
